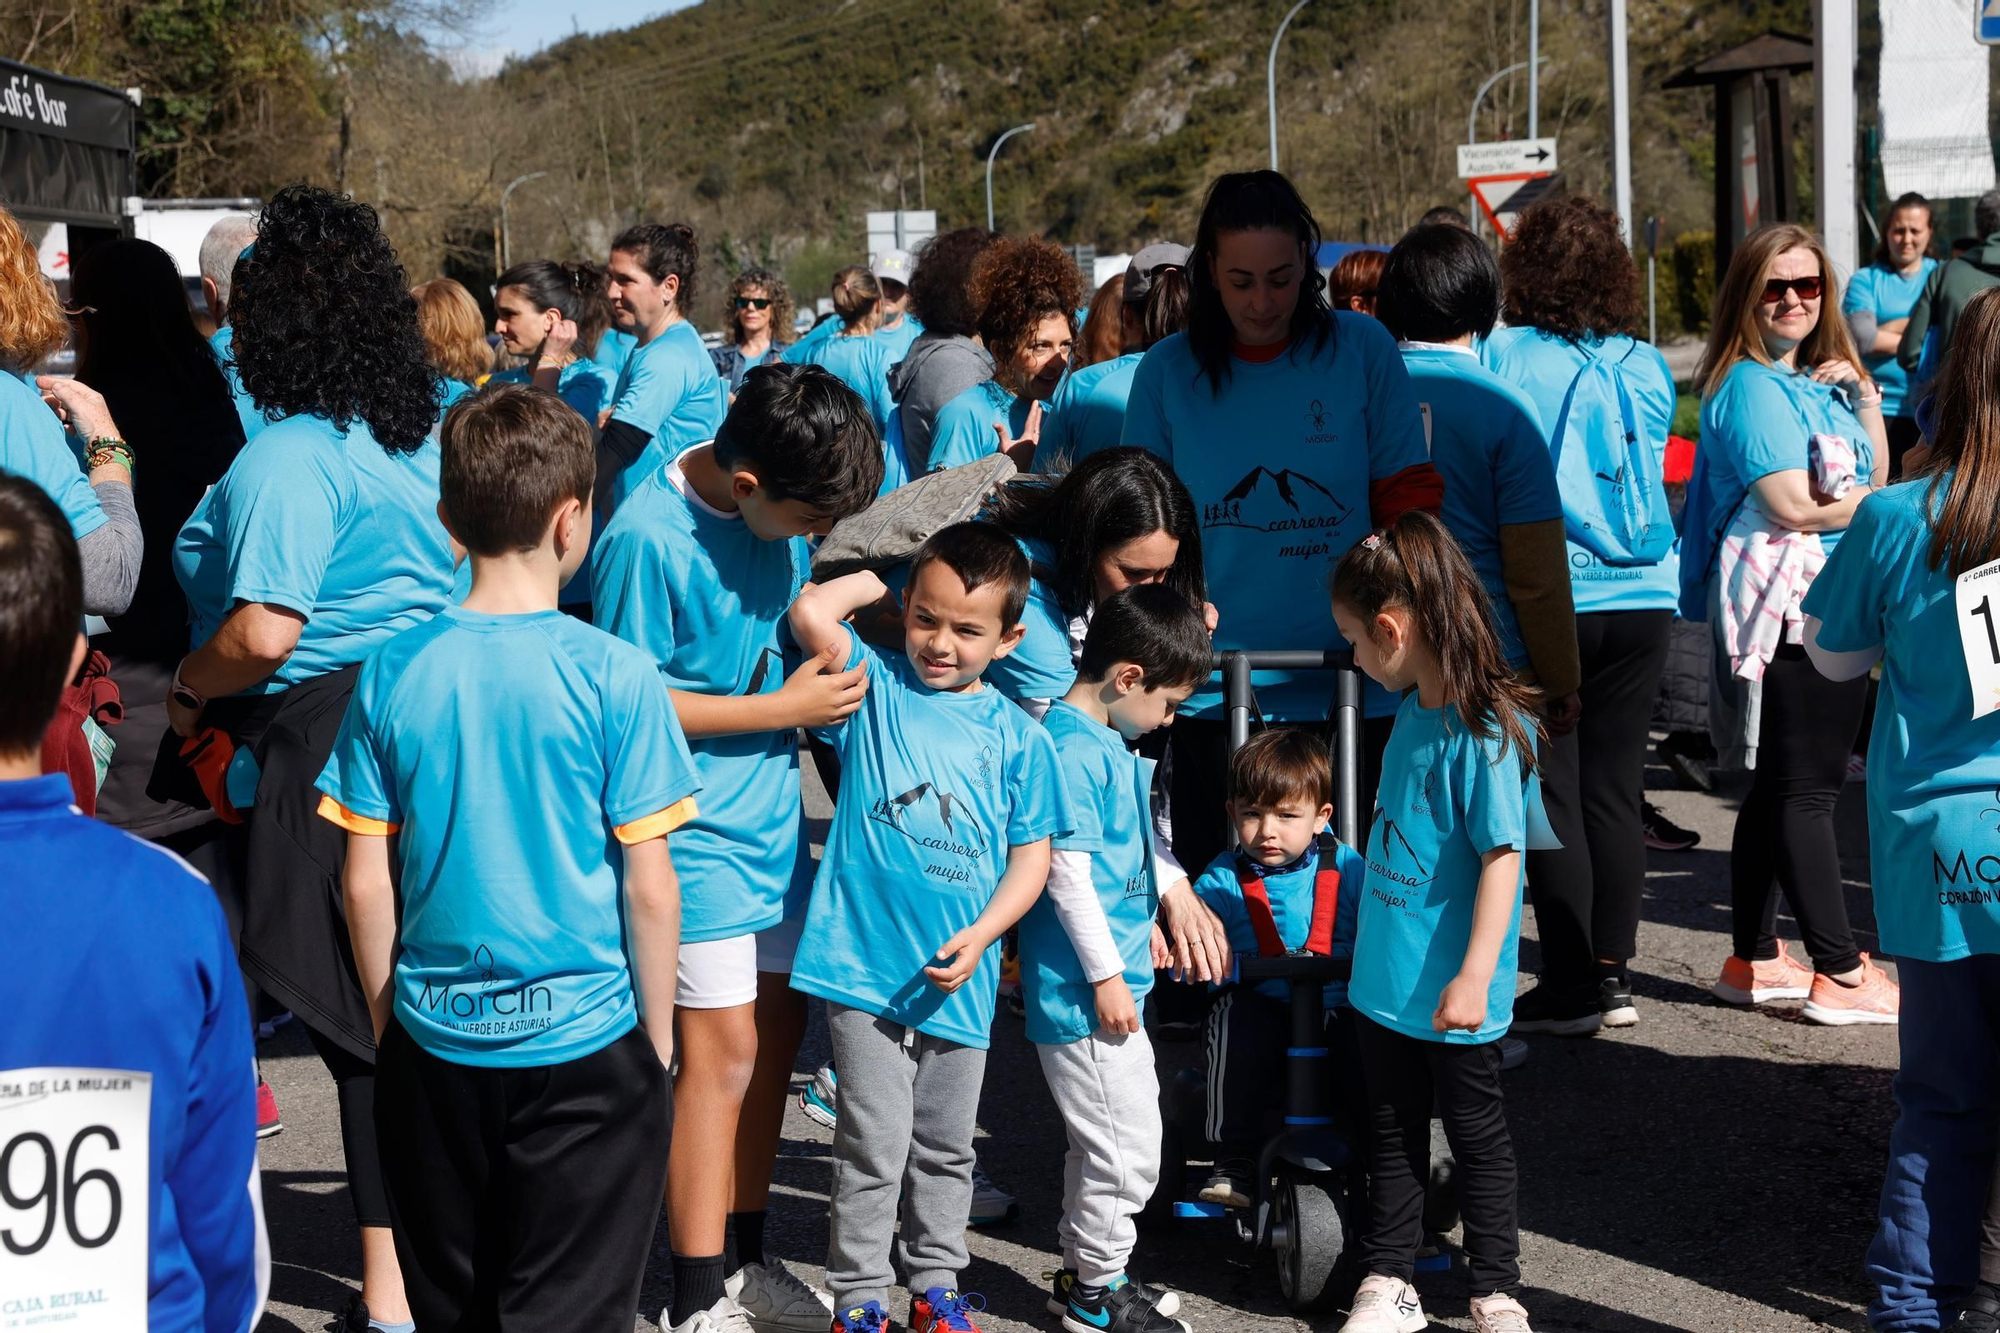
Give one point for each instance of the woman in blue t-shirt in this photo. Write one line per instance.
(758, 329)
(668, 397)
(854, 355)
(1781, 370)
(554, 317)
(1087, 414)
(1877, 307)
(455, 334)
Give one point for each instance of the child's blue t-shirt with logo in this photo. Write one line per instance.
(586, 385)
(1488, 444)
(1292, 891)
(1933, 767)
(963, 432)
(935, 787)
(1087, 414)
(326, 523)
(668, 389)
(1279, 464)
(1887, 295)
(1111, 820)
(706, 599)
(862, 364)
(513, 755)
(1543, 366)
(1447, 798)
(32, 445)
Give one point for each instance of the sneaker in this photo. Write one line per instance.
(1060, 1280)
(1385, 1304)
(1513, 1053)
(1780, 978)
(818, 1100)
(1662, 834)
(1979, 1312)
(1499, 1313)
(1558, 1011)
(868, 1317)
(942, 1309)
(776, 1301)
(991, 1205)
(1614, 1003)
(268, 1122)
(1228, 1184)
(1688, 755)
(1876, 1000)
(354, 1318)
(725, 1316)
(1121, 1307)
(1857, 768)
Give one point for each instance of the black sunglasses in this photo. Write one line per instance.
(1807, 288)
(753, 303)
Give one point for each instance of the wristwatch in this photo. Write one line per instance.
(183, 695)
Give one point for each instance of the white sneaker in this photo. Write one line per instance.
(1499, 1313)
(725, 1316)
(776, 1301)
(1385, 1304)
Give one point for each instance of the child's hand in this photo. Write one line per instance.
(1163, 954)
(818, 696)
(962, 953)
(1462, 1006)
(1117, 1013)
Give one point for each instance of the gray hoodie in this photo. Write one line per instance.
(938, 368)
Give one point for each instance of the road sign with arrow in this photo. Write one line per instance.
(1505, 158)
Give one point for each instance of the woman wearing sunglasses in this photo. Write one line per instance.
(1784, 403)
(760, 319)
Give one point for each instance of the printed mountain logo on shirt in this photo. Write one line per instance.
(1399, 862)
(934, 819)
(762, 671)
(1284, 501)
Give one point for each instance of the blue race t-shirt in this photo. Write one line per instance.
(585, 385)
(1887, 295)
(1279, 464)
(706, 598)
(1041, 665)
(513, 755)
(1447, 798)
(1760, 420)
(1543, 366)
(898, 339)
(669, 390)
(1291, 891)
(223, 341)
(325, 523)
(1111, 819)
(935, 787)
(1933, 767)
(797, 353)
(614, 349)
(1487, 443)
(964, 430)
(449, 392)
(32, 445)
(862, 364)
(119, 960)
(1087, 415)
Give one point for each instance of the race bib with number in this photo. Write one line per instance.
(1979, 635)
(73, 1199)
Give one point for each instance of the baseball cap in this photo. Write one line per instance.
(892, 266)
(1149, 260)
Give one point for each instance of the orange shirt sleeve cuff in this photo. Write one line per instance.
(330, 809)
(658, 824)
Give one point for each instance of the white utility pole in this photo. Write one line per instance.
(1621, 123)
(1834, 57)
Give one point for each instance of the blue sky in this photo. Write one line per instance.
(522, 26)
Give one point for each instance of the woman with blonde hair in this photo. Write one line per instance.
(455, 336)
(759, 326)
(1791, 428)
(1102, 337)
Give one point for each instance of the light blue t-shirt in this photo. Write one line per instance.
(1087, 415)
(1111, 820)
(1447, 798)
(513, 754)
(1291, 891)
(706, 598)
(1543, 366)
(449, 392)
(584, 384)
(935, 787)
(797, 353)
(1933, 769)
(328, 524)
(1887, 295)
(223, 341)
(669, 390)
(1041, 666)
(33, 445)
(614, 349)
(862, 364)
(1759, 421)
(1280, 464)
(964, 432)
(1488, 444)
(899, 338)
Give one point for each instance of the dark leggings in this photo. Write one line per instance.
(354, 1084)
(1784, 830)
(1587, 893)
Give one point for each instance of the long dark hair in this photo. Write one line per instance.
(1965, 442)
(1166, 310)
(1414, 564)
(1105, 501)
(1251, 201)
(574, 289)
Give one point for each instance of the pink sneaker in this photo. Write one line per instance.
(1780, 978)
(1876, 1000)
(268, 1122)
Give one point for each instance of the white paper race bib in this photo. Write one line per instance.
(1977, 594)
(73, 1199)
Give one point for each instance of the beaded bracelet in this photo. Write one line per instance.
(107, 449)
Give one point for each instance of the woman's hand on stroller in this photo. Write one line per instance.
(1200, 944)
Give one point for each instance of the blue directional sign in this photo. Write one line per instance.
(1986, 21)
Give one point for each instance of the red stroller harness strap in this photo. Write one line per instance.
(1326, 904)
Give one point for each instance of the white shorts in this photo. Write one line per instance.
(778, 945)
(717, 974)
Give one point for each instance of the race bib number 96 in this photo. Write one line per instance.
(1977, 595)
(73, 1205)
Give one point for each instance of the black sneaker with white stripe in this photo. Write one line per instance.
(1614, 1003)
(1558, 1011)
(1662, 834)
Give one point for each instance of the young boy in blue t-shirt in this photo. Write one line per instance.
(698, 568)
(1088, 950)
(520, 770)
(949, 795)
(1288, 884)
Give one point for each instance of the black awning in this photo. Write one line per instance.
(66, 148)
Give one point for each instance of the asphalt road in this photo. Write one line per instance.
(1711, 1169)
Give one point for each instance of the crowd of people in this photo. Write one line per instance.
(450, 693)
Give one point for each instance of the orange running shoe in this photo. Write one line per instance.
(1876, 1000)
(1780, 978)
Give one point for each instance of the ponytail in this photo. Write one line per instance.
(1415, 564)
(662, 249)
(575, 290)
(856, 295)
(1166, 310)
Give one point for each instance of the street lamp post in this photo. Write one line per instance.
(993, 153)
(506, 248)
(1472, 115)
(1271, 76)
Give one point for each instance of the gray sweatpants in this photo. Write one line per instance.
(1109, 1096)
(908, 1106)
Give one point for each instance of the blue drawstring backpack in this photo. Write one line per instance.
(1614, 499)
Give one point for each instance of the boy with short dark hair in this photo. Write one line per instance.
(1088, 950)
(698, 568)
(153, 1096)
(529, 768)
(942, 780)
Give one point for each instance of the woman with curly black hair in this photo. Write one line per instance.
(946, 359)
(1027, 291)
(320, 542)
